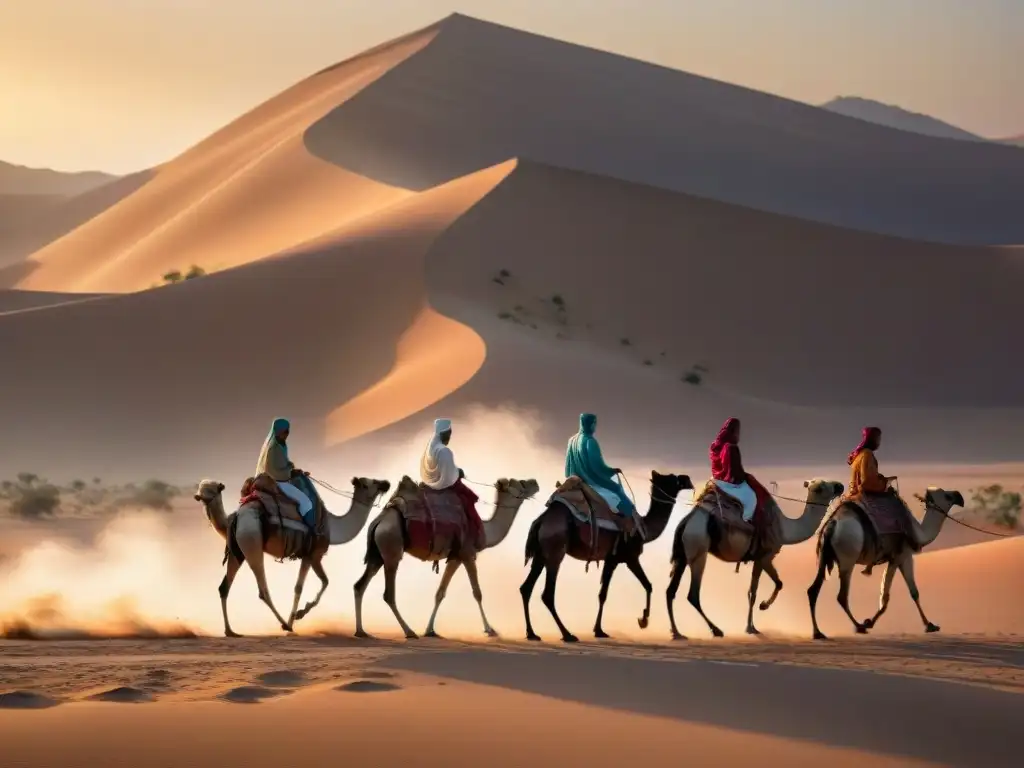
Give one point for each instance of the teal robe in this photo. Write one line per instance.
(583, 458)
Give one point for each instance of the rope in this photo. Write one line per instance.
(961, 522)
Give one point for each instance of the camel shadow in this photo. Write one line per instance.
(899, 716)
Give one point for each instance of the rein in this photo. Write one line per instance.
(948, 516)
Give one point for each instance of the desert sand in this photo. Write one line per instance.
(479, 223)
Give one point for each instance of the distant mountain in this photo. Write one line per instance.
(895, 117)
(1016, 140)
(20, 180)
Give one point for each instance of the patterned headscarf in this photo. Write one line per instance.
(868, 435)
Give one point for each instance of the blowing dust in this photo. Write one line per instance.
(148, 573)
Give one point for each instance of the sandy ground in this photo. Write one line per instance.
(395, 703)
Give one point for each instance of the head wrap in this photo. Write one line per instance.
(867, 435)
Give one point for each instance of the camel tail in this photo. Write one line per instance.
(678, 550)
(533, 541)
(373, 555)
(231, 548)
(826, 554)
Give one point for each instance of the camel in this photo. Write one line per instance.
(252, 544)
(693, 542)
(555, 534)
(387, 541)
(843, 541)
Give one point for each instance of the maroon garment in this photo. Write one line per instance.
(764, 497)
(469, 500)
(866, 436)
(726, 464)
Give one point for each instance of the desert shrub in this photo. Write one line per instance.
(31, 497)
(694, 378)
(174, 276)
(153, 494)
(559, 302)
(194, 271)
(997, 505)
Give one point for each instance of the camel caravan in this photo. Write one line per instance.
(589, 517)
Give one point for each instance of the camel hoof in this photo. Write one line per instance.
(431, 634)
(491, 633)
(600, 634)
(570, 639)
(716, 632)
(677, 636)
(861, 629)
(532, 636)
(868, 624)
(361, 635)
(642, 623)
(300, 614)
(765, 605)
(752, 630)
(231, 633)
(819, 635)
(287, 628)
(411, 636)
(931, 627)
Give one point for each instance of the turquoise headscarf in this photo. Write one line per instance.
(279, 425)
(583, 458)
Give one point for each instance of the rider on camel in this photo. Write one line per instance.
(439, 472)
(728, 473)
(864, 476)
(274, 462)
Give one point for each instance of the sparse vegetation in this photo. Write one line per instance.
(559, 302)
(997, 505)
(177, 276)
(693, 377)
(625, 342)
(30, 497)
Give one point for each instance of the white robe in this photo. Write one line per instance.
(743, 493)
(437, 466)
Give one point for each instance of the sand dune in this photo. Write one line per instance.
(21, 180)
(480, 93)
(247, 192)
(896, 117)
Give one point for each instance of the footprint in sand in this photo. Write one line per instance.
(283, 678)
(123, 695)
(26, 700)
(249, 694)
(367, 686)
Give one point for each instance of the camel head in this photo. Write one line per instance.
(366, 490)
(667, 487)
(942, 500)
(512, 493)
(822, 492)
(208, 491)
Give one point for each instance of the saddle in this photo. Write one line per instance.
(280, 511)
(589, 509)
(883, 515)
(436, 522)
(765, 530)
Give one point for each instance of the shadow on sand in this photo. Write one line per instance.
(949, 723)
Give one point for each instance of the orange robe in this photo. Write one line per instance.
(864, 477)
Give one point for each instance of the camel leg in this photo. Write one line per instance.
(606, 581)
(696, 576)
(478, 595)
(299, 583)
(678, 568)
(638, 571)
(548, 596)
(526, 591)
(769, 568)
(843, 598)
(318, 569)
(252, 548)
(390, 574)
(814, 590)
(755, 578)
(883, 599)
(360, 589)
(906, 567)
(223, 589)
(442, 589)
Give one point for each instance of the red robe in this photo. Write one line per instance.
(469, 500)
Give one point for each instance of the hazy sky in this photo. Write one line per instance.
(119, 85)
